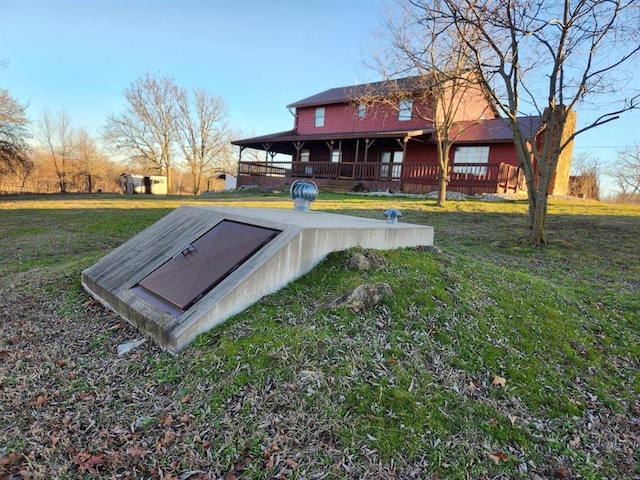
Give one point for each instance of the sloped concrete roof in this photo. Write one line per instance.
(304, 240)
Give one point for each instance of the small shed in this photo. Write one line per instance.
(221, 181)
(144, 184)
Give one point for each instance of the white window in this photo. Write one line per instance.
(304, 156)
(466, 160)
(362, 110)
(336, 156)
(404, 110)
(319, 119)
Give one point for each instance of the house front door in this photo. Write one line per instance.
(391, 165)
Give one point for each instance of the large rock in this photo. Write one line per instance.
(367, 260)
(364, 296)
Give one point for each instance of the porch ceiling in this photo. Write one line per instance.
(283, 142)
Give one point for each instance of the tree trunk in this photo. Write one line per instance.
(538, 214)
(538, 196)
(443, 181)
(443, 149)
(169, 178)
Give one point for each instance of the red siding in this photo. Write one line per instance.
(503, 153)
(498, 153)
(418, 152)
(343, 118)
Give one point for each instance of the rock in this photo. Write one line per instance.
(364, 296)
(432, 249)
(363, 261)
(127, 347)
(358, 262)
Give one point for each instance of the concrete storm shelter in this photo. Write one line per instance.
(198, 266)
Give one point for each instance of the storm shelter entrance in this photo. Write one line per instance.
(201, 265)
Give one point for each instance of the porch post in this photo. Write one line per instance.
(267, 148)
(367, 145)
(403, 144)
(298, 146)
(355, 159)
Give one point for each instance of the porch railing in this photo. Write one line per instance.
(502, 175)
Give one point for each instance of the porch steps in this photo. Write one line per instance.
(340, 186)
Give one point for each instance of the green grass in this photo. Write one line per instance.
(405, 387)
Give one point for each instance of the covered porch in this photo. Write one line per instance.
(401, 161)
(375, 176)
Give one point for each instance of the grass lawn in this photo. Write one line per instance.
(491, 360)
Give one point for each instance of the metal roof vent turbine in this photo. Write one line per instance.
(303, 192)
(392, 215)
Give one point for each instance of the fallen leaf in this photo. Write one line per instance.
(9, 459)
(498, 457)
(169, 436)
(512, 419)
(270, 462)
(166, 420)
(292, 463)
(136, 451)
(38, 402)
(498, 380)
(575, 442)
(54, 440)
(187, 398)
(493, 422)
(85, 395)
(87, 462)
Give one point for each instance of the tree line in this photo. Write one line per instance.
(164, 129)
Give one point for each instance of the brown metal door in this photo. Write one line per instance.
(203, 264)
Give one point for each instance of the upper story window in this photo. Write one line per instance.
(404, 110)
(362, 110)
(319, 118)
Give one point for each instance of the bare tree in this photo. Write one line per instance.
(91, 164)
(437, 59)
(146, 130)
(202, 134)
(550, 57)
(57, 136)
(627, 173)
(14, 152)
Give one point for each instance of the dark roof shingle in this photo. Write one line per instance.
(497, 129)
(351, 93)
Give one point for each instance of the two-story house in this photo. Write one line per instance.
(341, 139)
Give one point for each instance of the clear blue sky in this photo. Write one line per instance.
(78, 56)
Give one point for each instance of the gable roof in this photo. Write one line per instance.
(350, 93)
